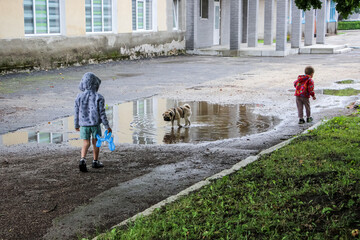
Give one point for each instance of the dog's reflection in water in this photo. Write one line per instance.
(178, 135)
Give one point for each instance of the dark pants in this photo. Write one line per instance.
(300, 103)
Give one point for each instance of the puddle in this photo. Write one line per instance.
(141, 122)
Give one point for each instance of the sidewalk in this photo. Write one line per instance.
(334, 45)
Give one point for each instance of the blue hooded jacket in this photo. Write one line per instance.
(90, 105)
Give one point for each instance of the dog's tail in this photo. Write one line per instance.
(187, 106)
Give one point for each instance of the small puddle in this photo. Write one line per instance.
(141, 122)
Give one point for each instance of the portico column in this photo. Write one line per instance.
(321, 23)
(244, 21)
(281, 24)
(268, 22)
(252, 22)
(309, 27)
(190, 24)
(235, 24)
(295, 26)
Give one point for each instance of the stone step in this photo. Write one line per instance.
(322, 49)
(344, 50)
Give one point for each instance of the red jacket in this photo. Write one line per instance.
(304, 86)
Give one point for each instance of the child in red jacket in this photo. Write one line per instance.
(304, 89)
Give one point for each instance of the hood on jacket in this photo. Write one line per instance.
(89, 82)
(303, 78)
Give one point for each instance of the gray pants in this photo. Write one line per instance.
(300, 103)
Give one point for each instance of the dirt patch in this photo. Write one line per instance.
(41, 187)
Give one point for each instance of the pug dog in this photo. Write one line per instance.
(177, 113)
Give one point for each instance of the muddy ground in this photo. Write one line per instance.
(43, 195)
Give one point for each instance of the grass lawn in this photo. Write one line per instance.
(342, 92)
(308, 189)
(349, 25)
(348, 81)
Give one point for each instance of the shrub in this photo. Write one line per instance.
(349, 25)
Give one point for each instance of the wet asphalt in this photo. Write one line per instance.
(36, 97)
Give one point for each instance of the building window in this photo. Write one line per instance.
(332, 11)
(98, 15)
(142, 13)
(42, 16)
(303, 17)
(204, 9)
(175, 14)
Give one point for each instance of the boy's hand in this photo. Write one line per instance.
(314, 98)
(109, 130)
(77, 129)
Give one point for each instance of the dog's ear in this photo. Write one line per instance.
(171, 114)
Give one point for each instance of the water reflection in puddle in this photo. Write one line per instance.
(140, 122)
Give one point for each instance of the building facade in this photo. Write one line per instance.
(212, 22)
(51, 33)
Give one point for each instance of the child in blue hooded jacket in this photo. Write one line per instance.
(89, 113)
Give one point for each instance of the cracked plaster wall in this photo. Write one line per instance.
(57, 51)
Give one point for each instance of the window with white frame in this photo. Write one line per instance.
(42, 16)
(142, 13)
(204, 9)
(175, 14)
(98, 15)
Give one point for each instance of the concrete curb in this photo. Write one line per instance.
(208, 180)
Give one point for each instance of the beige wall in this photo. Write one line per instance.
(122, 122)
(161, 12)
(11, 19)
(15, 138)
(75, 18)
(124, 13)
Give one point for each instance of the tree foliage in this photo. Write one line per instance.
(344, 7)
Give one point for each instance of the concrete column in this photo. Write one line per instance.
(190, 24)
(268, 22)
(244, 21)
(321, 23)
(295, 26)
(235, 24)
(281, 24)
(253, 12)
(309, 27)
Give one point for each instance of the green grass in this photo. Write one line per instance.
(262, 41)
(308, 189)
(342, 92)
(349, 25)
(274, 41)
(348, 81)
